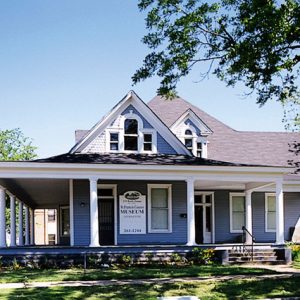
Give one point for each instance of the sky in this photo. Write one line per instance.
(65, 63)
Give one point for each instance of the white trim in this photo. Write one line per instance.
(231, 195)
(266, 212)
(162, 186)
(12, 220)
(94, 215)
(115, 198)
(191, 233)
(27, 228)
(139, 105)
(60, 221)
(2, 218)
(20, 225)
(212, 205)
(71, 205)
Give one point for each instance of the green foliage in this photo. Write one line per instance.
(295, 251)
(125, 260)
(15, 146)
(15, 265)
(249, 41)
(202, 256)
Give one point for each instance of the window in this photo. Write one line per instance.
(188, 132)
(159, 208)
(199, 149)
(131, 135)
(189, 144)
(51, 239)
(237, 212)
(114, 141)
(270, 213)
(64, 221)
(147, 142)
(51, 215)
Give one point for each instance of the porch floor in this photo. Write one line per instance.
(47, 249)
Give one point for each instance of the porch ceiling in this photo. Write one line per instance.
(39, 193)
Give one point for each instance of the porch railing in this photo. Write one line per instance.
(244, 239)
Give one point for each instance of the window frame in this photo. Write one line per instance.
(133, 135)
(266, 212)
(147, 143)
(231, 196)
(60, 221)
(160, 186)
(114, 142)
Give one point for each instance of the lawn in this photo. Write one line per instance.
(234, 289)
(28, 275)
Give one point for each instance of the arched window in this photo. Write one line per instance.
(131, 134)
(188, 141)
(188, 132)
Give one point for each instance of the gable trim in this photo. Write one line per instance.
(137, 102)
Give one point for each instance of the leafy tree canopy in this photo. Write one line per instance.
(15, 146)
(256, 42)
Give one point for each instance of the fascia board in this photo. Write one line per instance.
(195, 119)
(102, 123)
(130, 167)
(133, 99)
(163, 130)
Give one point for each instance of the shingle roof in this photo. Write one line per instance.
(227, 144)
(136, 159)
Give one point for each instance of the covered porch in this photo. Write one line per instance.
(197, 213)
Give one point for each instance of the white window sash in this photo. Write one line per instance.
(231, 197)
(267, 195)
(160, 186)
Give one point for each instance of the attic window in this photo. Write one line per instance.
(114, 141)
(199, 149)
(188, 132)
(131, 135)
(147, 142)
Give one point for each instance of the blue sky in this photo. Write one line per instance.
(65, 63)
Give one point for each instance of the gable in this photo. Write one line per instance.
(150, 132)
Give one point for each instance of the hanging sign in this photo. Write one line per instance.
(132, 213)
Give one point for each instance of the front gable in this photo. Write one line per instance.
(192, 132)
(130, 127)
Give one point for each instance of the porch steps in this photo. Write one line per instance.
(260, 256)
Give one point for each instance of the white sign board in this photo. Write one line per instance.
(132, 213)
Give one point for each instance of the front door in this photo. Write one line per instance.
(106, 216)
(204, 220)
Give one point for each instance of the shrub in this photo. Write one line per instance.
(125, 260)
(15, 265)
(202, 256)
(295, 251)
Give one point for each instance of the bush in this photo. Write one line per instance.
(295, 252)
(125, 260)
(202, 256)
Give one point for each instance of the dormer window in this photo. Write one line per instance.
(199, 149)
(114, 141)
(147, 142)
(188, 141)
(131, 135)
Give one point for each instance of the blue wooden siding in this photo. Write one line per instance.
(135, 111)
(162, 145)
(291, 212)
(82, 214)
(179, 232)
(81, 192)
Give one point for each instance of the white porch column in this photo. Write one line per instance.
(2, 218)
(248, 224)
(71, 205)
(27, 228)
(94, 221)
(12, 221)
(279, 213)
(31, 226)
(21, 241)
(190, 213)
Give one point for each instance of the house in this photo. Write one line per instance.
(162, 173)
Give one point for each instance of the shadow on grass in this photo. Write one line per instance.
(235, 289)
(126, 273)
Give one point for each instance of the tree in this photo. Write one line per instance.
(256, 42)
(14, 146)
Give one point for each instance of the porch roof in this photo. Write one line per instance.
(139, 159)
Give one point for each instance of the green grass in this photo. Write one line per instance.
(21, 275)
(234, 289)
